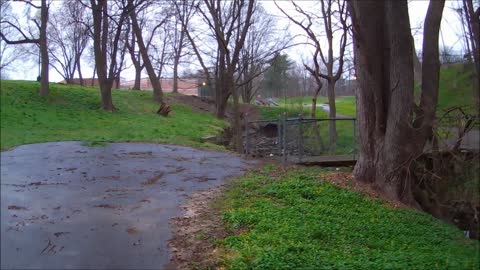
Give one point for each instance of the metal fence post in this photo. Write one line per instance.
(245, 123)
(300, 138)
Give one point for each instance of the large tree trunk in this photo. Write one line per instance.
(44, 90)
(332, 127)
(221, 87)
(417, 66)
(178, 54)
(221, 107)
(385, 103)
(100, 32)
(157, 88)
(138, 77)
(80, 73)
(106, 92)
(92, 82)
(313, 115)
(313, 111)
(474, 33)
(175, 73)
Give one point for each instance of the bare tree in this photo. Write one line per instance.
(333, 19)
(473, 18)
(8, 53)
(136, 58)
(162, 50)
(184, 11)
(189, 30)
(107, 31)
(229, 22)
(68, 39)
(157, 88)
(262, 44)
(393, 129)
(23, 37)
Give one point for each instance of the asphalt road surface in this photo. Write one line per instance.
(68, 206)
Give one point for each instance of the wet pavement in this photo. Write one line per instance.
(68, 206)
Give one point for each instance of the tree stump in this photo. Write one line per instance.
(164, 109)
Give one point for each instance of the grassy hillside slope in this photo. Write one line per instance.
(298, 220)
(456, 87)
(455, 90)
(72, 113)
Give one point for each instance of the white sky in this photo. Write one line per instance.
(451, 28)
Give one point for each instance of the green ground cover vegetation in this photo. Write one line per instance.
(297, 220)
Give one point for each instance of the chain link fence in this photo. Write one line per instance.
(299, 139)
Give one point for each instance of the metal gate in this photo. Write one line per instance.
(301, 140)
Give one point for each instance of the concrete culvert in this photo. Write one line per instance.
(270, 130)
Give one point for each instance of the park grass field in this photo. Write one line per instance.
(455, 90)
(73, 113)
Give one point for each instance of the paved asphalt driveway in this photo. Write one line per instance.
(68, 206)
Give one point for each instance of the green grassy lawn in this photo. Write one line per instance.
(455, 90)
(296, 220)
(72, 113)
(345, 106)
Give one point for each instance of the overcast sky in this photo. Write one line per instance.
(451, 29)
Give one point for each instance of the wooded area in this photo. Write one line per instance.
(237, 50)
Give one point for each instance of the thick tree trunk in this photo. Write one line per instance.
(100, 32)
(157, 88)
(474, 33)
(313, 111)
(332, 113)
(221, 87)
(385, 103)
(313, 115)
(417, 66)
(175, 77)
(44, 90)
(178, 54)
(138, 77)
(82, 83)
(106, 92)
(117, 82)
(92, 82)
(221, 108)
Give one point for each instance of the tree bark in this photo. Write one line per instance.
(385, 104)
(313, 112)
(107, 102)
(82, 83)
(175, 75)
(138, 78)
(178, 54)
(417, 66)
(473, 26)
(44, 90)
(332, 113)
(100, 33)
(157, 88)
